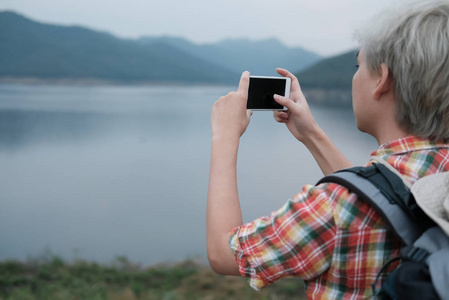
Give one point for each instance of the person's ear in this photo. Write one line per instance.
(384, 84)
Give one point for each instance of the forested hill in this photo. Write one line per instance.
(30, 49)
(330, 73)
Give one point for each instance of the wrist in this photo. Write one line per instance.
(314, 136)
(225, 138)
(225, 146)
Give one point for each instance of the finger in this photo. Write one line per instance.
(244, 83)
(249, 113)
(295, 83)
(280, 116)
(284, 101)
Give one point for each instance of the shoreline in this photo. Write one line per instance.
(317, 96)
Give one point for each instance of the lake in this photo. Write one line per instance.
(96, 172)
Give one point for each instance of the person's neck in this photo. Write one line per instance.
(386, 127)
(390, 132)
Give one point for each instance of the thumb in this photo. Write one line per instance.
(249, 113)
(287, 102)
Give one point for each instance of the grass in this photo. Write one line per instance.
(53, 278)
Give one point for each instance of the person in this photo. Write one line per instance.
(326, 235)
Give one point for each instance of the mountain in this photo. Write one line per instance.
(30, 49)
(329, 81)
(258, 57)
(330, 73)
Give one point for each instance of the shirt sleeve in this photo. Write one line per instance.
(297, 240)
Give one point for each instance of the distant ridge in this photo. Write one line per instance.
(330, 73)
(30, 49)
(329, 81)
(259, 57)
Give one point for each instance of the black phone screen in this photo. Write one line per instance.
(261, 91)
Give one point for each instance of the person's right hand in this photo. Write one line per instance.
(298, 117)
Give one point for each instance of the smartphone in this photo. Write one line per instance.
(262, 89)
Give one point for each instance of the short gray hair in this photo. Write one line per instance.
(413, 41)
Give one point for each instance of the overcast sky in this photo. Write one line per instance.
(323, 26)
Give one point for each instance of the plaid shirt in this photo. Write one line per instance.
(327, 236)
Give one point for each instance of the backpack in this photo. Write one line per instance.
(419, 216)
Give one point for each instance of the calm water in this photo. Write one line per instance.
(98, 172)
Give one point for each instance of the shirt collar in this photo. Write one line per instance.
(407, 144)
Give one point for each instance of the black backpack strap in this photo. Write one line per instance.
(424, 271)
(385, 192)
(435, 240)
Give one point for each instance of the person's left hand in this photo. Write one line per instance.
(230, 118)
